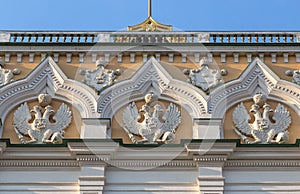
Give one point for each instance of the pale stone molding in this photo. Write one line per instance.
(132, 57)
(43, 56)
(145, 57)
(249, 58)
(120, 58)
(197, 57)
(31, 57)
(285, 57)
(184, 57)
(56, 57)
(223, 57)
(261, 56)
(7, 57)
(94, 57)
(274, 57)
(19, 57)
(5, 36)
(236, 57)
(157, 56)
(256, 78)
(152, 77)
(171, 57)
(69, 57)
(48, 77)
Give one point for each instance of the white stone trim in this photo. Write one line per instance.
(48, 77)
(152, 77)
(31, 57)
(256, 77)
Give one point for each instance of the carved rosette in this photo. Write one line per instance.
(154, 128)
(47, 126)
(263, 130)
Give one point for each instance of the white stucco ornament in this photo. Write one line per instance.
(46, 127)
(6, 75)
(296, 76)
(100, 77)
(154, 128)
(204, 78)
(263, 130)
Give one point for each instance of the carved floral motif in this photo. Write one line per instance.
(262, 130)
(46, 127)
(6, 75)
(204, 78)
(100, 77)
(154, 128)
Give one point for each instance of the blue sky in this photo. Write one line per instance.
(185, 15)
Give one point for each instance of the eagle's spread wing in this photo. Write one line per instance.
(282, 119)
(62, 117)
(172, 119)
(130, 119)
(241, 119)
(21, 119)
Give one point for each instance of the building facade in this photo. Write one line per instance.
(149, 110)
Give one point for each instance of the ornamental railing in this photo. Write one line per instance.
(148, 37)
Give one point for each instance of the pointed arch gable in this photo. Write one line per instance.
(47, 76)
(152, 77)
(256, 77)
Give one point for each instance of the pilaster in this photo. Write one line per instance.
(92, 178)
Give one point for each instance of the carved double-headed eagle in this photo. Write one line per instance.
(263, 130)
(152, 129)
(47, 126)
